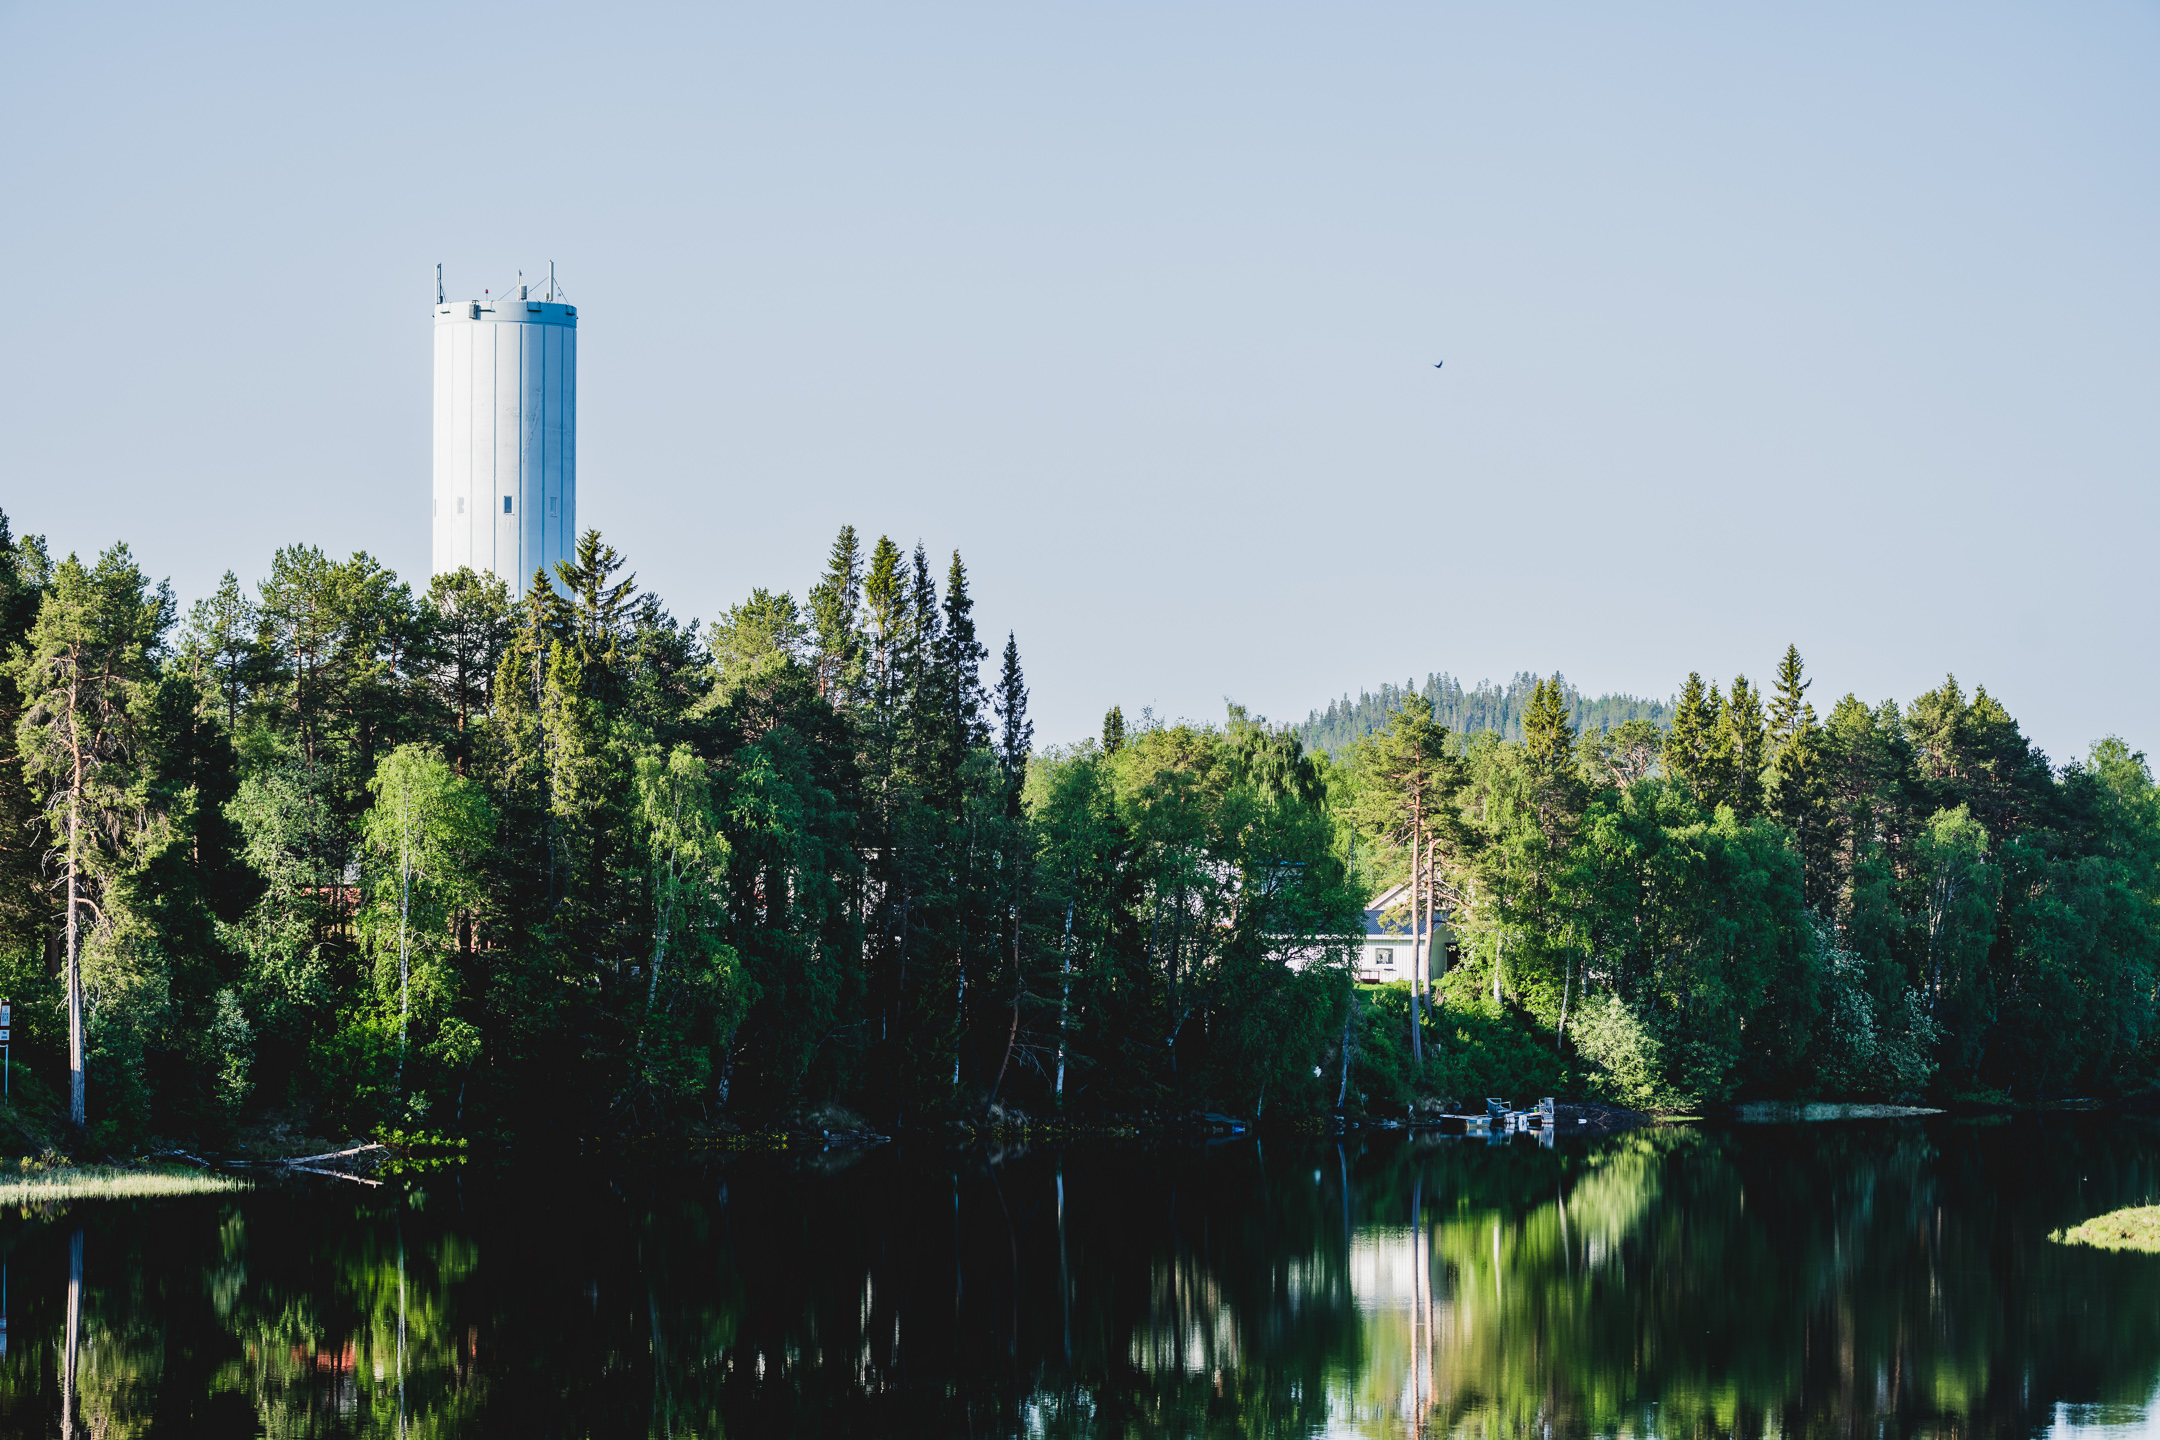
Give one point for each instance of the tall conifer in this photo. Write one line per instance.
(1017, 735)
(1795, 790)
(1741, 742)
(961, 657)
(834, 605)
(221, 647)
(885, 599)
(1688, 743)
(1407, 785)
(84, 675)
(921, 721)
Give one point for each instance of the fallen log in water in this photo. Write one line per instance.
(329, 1155)
(302, 1162)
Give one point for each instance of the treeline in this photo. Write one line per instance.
(450, 861)
(1488, 707)
(447, 860)
(1756, 900)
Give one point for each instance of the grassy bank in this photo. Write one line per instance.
(110, 1182)
(2134, 1228)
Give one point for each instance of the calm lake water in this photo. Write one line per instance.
(1859, 1277)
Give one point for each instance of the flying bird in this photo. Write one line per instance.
(1440, 363)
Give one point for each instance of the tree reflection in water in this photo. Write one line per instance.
(1893, 1277)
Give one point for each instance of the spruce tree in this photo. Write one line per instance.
(1017, 737)
(1790, 712)
(1687, 744)
(1742, 742)
(834, 605)
(961, 658)
(1717, 770)
(1795, 784)
(25, 909)
(921, 721)
(1548, 733)
(885, 602)
(1113, 730)
(1549, 752)
(596, 610)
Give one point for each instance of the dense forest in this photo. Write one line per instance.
(454, 862)
(1464, 710)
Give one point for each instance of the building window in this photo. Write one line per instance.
(460, 504)
(553, 502)
(1384, 958)
(506, 504)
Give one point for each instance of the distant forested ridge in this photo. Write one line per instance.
(337, 851)
(1489, 707)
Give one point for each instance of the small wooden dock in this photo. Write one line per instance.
(1501, 1119)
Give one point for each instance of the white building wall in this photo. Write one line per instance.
(505, 427)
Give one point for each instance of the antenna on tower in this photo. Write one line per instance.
(438, 282)
(551, 282)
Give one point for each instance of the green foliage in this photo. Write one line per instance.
(1865, 1049)
(1626, 1055)
(1892, 903)
(567, 865)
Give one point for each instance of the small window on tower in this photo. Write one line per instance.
(554, 504)
(506, 504)
(460, 504)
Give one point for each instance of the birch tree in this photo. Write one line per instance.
(427, 828)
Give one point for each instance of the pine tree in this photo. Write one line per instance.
(221, 649)
(1407, 780)
(84, 676)
(473, 629)
(299, 629)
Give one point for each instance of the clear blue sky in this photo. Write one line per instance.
(1837, 325)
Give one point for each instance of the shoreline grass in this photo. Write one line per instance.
(2136, 1227)
(110, 1182)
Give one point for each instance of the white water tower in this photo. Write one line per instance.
(505, 433)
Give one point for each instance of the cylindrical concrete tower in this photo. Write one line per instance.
(505, 436)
